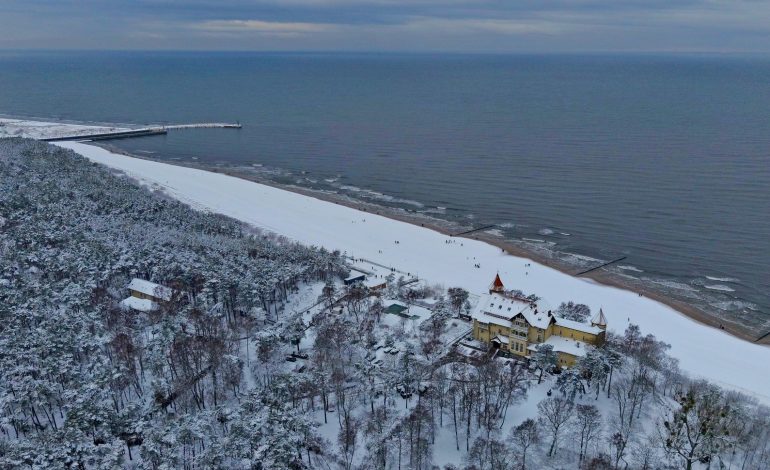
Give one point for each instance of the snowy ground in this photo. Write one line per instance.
(41, 130)
(701, 350)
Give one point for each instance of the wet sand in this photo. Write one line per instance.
(448, 228)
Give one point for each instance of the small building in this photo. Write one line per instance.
(518, 325)
(145, 295)
(375, 285)
(372, 283)
(354, 278)
(396, 308)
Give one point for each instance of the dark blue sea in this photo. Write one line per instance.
(662, 159)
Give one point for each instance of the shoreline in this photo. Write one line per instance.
(599, 276)
(304, 217)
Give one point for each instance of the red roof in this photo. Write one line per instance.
(498, 284)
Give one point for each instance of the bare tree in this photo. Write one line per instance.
(524, 436)
(700, 428)
(587, 426)
(555, 413)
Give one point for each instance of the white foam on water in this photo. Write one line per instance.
(721, 279)
(733, 305)
(582, 257)
(377, 196)
(630, 268)
(720, 287)
(672, 284)
(545, 231)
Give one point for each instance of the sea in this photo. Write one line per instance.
(661, 159)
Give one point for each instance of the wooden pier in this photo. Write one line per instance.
(141, 132)
(486, 227)
(600, 266)
(122, 134)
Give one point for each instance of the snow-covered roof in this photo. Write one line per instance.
(501, 339)
(135, 303)
(576, 325)
(150, 288)
(374, 282)
(499, 309)
(564, 345)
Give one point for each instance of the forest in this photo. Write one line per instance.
(264, 358)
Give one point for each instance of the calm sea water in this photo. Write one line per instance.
(665, 160)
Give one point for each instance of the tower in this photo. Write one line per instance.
(497, 286)
(599, 320)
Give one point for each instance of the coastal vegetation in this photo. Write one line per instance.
(263, 358)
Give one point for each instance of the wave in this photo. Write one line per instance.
(583, 258)
(733, 305)
(722, 279)
(508, 225)
(630, 268)
(495, 231)
(545, 231)
(377, 196)
(672, 284)
(720, 287)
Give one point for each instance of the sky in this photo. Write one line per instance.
(494, 26)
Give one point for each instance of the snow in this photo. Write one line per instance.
(564, 345)
(150, 288)
(135, 303)
(499, 309)
(501, 339)
(42, 130)
(702, 351)
(576, 325)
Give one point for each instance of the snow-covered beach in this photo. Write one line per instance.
(702, 351)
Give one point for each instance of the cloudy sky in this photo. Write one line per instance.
(390, 25)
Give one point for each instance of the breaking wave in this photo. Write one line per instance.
(720, 287)
(721, 279)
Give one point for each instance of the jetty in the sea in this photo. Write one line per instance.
(102, 134)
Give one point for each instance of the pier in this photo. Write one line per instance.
(141, 132)
(601, 266)
(472, 230)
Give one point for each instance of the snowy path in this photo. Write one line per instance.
(701, 350)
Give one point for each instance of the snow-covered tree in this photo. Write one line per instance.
(572, 311)
(544, 359)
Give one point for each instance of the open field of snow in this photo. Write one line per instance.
(702, 351)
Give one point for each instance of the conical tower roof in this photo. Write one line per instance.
(599, 320)
(497, 285)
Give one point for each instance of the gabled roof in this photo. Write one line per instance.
(501, 339)
(500, 309)
(150, 288)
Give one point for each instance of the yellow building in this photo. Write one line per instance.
(518, 325)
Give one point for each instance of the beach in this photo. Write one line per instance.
(428, 252)
(444, 227)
